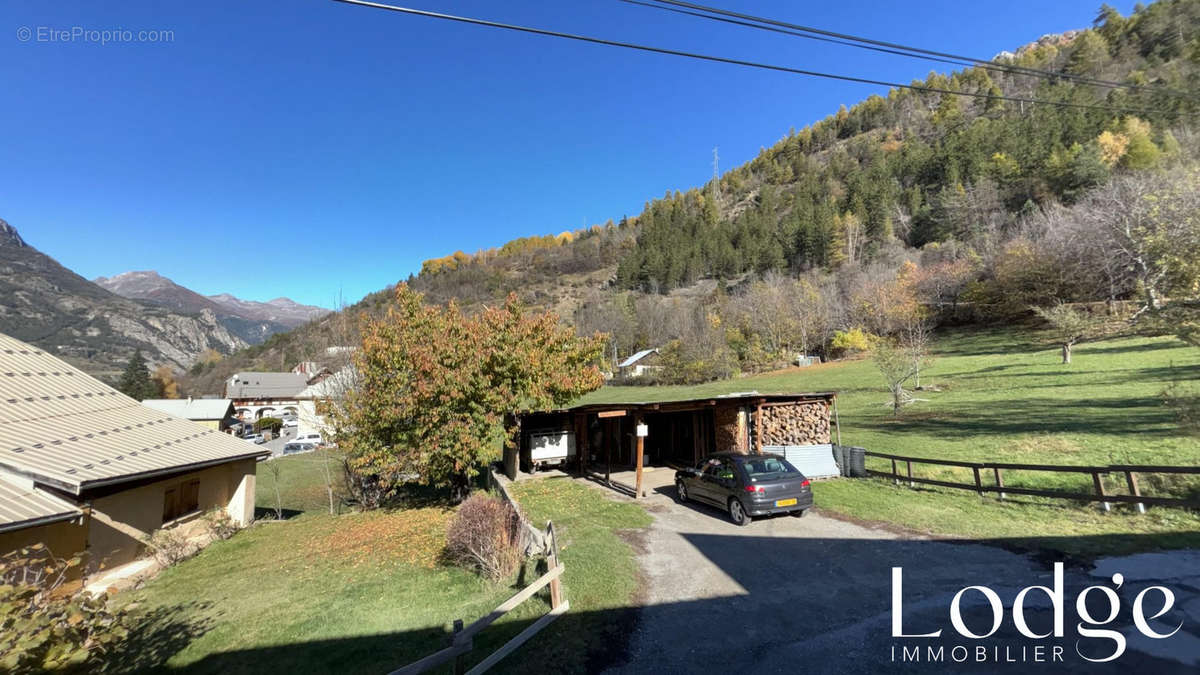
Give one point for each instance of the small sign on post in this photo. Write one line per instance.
(643, 430)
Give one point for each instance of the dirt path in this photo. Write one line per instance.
(813, 594)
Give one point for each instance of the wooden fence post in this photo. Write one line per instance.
(460, 661)
(1100, 490)
(910, 480)
(978, 481)
(552, 562)
(999, 481)
(1133, 490)
(895, 473)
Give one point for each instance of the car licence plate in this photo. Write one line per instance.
(785, 502)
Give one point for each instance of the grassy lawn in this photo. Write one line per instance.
(1003, 398)
(362, 592)
(600, 577)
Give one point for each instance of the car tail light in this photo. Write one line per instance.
(804, 483)
(755, 488)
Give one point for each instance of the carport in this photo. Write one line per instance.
(609, 438)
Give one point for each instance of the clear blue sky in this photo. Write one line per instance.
(303, 147)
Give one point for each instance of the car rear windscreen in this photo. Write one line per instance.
(767, 468)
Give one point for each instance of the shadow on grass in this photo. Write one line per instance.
(1128, 375)
(1095, 348)
(789, 599)
(269, 513)
(158, 634)
(1145, 416)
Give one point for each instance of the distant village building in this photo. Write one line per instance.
(639, 364)
(312, 370)
(294, 394)
(214, 413)
(256, 395)
(85, 468)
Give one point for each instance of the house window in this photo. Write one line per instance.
(181, 500)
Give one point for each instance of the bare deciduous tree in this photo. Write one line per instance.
(1068, 326)
(898, 367)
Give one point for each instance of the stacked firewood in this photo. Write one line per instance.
(796, 424)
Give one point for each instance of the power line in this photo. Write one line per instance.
(797, 33)
(887, 47)
(738, 62)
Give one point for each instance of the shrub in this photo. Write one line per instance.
(272, 424)
(43, 628)
(853, 341)
(219, 524)
(485, 536)
(169, 546)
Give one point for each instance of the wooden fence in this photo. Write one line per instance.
(996, 469)
(462, 641)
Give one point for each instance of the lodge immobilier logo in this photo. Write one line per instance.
(1095, 638)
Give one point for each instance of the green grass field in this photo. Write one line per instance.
(365, 592)
(1001, 397)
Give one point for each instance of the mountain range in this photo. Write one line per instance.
(48, 305)
(250, 320)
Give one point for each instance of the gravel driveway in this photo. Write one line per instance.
(813, 594)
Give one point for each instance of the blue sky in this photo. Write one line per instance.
(306, 148)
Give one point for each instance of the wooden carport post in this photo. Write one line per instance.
(641, 448)
(581, 443)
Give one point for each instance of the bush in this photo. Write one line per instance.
(219, 524)
(485, 536)
(853, 341)
(169, 546)
(272, 424)
(44, 629)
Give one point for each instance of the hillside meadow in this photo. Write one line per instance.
(1004, 396)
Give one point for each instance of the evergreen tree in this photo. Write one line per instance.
(136, 382)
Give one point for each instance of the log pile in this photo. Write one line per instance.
(804, 423)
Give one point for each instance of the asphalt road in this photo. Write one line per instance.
(275, 445)
(814, 594)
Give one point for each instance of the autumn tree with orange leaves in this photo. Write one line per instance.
(435, 387)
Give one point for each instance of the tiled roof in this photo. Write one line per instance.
(21, 507)
(62, 426)
(192, 408)
(265, 385)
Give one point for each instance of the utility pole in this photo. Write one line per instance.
(716, 178)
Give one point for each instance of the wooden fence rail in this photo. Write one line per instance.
(463, 639)
(996, 468)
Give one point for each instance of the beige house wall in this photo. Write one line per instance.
(122, 520)
(64, 539)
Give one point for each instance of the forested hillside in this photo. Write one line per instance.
(972, 205)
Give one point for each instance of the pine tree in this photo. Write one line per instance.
(135, 382)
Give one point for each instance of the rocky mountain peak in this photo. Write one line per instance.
(9, 236)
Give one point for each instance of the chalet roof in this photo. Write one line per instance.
(193, 408)
(63, 427)
(29, 507)
(265, 385)
(636, 357)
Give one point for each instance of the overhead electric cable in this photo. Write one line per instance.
(797, 33)
(893, 48)
(736, 62)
